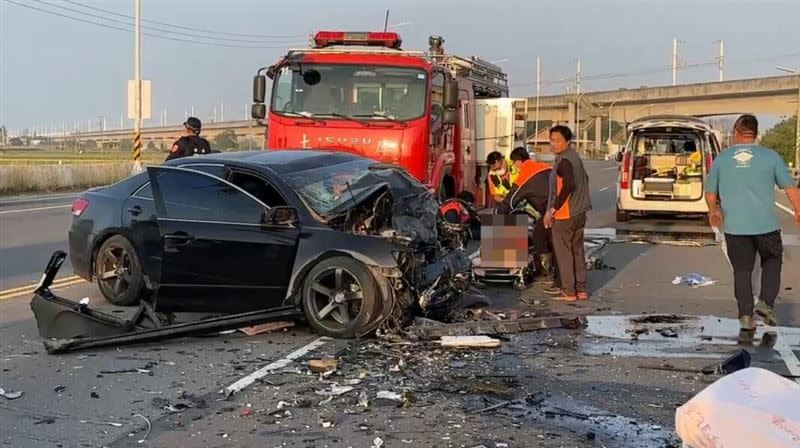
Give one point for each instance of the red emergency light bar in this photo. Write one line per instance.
(379, 39)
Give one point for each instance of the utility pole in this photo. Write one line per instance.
(214, 114)
(538, 93)
(721, 60)
(674, 61)
(578, 77)
(222, 111)
(796, 118)
(386, 22)
(137, 127)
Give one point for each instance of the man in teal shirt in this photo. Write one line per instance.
(740, 192)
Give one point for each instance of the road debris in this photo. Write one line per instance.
(470, 341)
(751, 407)
(149, 428)
(10, 395)
(435, 330)
(323, 365)
(668, 332)
(59, 389)
(269, 327)
(736, 362)
(694, 280)
(388, 395)
(174, 408)
(246, 411)
(335, 391)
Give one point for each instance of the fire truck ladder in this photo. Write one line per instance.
(488, 80)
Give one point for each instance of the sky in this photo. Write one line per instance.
(59, 72)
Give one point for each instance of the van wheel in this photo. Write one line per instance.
(623, 216)
(340, 297)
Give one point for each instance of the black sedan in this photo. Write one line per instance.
(344, 240)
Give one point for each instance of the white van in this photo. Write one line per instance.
(664, 167)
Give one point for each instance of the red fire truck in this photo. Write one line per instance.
(360, 92)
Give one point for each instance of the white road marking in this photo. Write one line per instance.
(279, 364)
(784, 208)
(609, 168)
(792, 363)
(39, 199)
(604, 189)
(36, 209)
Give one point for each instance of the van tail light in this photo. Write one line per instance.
(79, 206)
(625, 178)
(709, 162)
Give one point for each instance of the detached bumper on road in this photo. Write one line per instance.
(69, 325)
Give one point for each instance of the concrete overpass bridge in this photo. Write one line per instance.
(776, 95)
(168, 134)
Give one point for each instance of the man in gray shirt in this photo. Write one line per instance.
(566, 215)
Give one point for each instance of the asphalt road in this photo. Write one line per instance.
(32, 228)
(73, 400)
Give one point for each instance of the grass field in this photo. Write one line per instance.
(44, 171)
(54, 157)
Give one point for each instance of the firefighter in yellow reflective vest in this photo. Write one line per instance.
(502, 175)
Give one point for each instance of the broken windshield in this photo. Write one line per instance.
(372, 92)
(327, 188)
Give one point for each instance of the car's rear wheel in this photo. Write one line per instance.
(623, 216)
(118, 272)
(340, 297)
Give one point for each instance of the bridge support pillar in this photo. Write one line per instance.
(598, 132)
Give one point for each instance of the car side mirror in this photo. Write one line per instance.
(258, 111)
(281, 216)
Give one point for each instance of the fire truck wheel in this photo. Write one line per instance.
(339, 297)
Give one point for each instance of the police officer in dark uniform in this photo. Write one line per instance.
(191, 143)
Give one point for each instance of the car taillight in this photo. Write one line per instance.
(624, 179)
(709, 162)
(79, 206)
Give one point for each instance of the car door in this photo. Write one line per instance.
(218, 255)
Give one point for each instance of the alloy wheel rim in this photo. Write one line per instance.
(337, 298)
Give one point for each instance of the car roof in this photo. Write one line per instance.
(289, 160)
(674, 121)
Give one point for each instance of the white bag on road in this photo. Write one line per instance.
(750, 408)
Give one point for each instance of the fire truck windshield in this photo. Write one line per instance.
(339, 91)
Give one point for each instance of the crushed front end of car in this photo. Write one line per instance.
(433, 275)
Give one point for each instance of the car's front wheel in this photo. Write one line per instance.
(340, 297)
(118, 272)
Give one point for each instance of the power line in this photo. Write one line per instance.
(266, 36)
(652, 71)
(154, 28)
(156, 36)
(160, 30)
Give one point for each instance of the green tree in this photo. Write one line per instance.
(781, 138)
(225, 140)
(151, 146)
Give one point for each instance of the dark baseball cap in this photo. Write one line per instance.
(193, 123)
